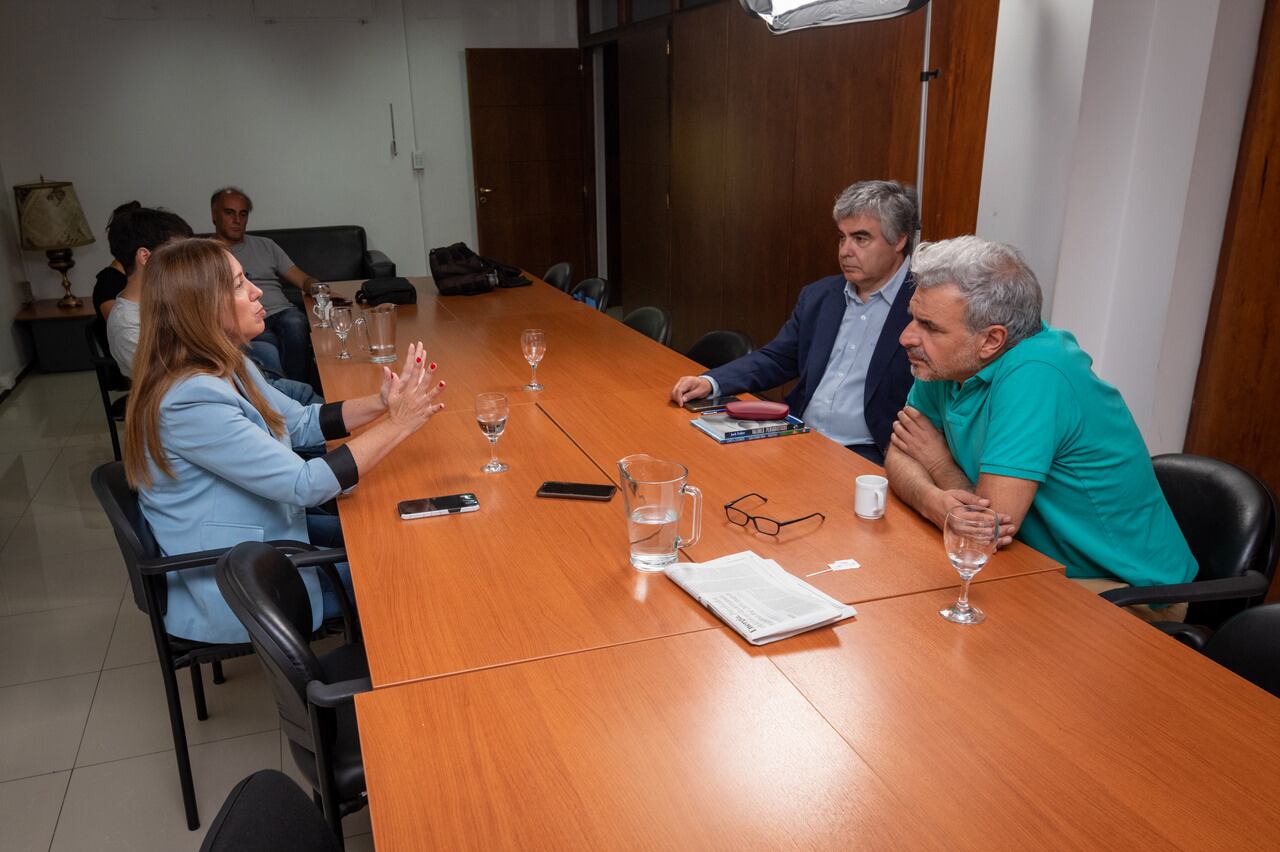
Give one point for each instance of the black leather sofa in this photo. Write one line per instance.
(330, 253)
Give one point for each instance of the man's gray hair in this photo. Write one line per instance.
(998, 286)
(893, 204)
(230, 190)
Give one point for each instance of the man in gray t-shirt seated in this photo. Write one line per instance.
(268, 267)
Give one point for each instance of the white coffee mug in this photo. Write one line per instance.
(869, 495)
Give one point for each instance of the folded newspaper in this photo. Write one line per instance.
(756, 597)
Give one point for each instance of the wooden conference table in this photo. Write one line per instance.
(543, 693)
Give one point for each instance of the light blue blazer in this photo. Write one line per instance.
(233, 481)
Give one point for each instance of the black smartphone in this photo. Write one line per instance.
(577, 491)
(429, 507)
(709, 402)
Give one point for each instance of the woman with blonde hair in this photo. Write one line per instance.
(208, 442)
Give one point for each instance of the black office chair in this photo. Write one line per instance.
(148, 577)
(1228, 517)
(560, 275)
(654, 323)
(717, 348)
(110, 379)
(268, 812)
(593, 291)
(313, 694)
(1248, 643)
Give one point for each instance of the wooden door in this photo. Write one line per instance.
(531, 154)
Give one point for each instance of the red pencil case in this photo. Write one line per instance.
(757, 409)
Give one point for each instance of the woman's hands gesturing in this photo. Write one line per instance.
(410, 396)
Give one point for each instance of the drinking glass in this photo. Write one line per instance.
(320, 292)
(534, 343)
(340, 317)
(491, 414)
(970, 534)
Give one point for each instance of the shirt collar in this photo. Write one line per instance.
(987, 373)
(889, 292)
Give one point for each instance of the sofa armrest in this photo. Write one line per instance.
(378, 265)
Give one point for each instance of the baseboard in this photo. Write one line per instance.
(12, 379)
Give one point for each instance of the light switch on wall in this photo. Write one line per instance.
(419, 161)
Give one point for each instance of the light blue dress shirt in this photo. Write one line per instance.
(836, 407)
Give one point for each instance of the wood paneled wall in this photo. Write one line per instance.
(699, 141)
(857, 118)
(644, 166)
(764, 132)
(1233, 412)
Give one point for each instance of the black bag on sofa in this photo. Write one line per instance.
(458, 271)
(379, 291)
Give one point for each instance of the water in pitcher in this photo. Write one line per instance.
(652, 533)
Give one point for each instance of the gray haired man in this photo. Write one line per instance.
(841, 340)
(1008, 412)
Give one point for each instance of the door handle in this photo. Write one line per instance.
(484, 194)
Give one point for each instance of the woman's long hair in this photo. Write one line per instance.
(188, 295)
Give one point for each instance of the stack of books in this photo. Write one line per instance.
(728, 430)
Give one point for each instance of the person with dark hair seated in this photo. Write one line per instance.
(208, 442)
(112, 278)
(133, 233)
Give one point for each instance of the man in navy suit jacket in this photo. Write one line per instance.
(841, 341)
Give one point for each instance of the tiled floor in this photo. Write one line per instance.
(86, 758)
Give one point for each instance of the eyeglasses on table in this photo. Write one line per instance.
(762, 523)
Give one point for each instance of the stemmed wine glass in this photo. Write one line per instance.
(534, 343)
(340, 317)
(970, 534)
(491, 414)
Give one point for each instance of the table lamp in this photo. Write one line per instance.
(50, 220)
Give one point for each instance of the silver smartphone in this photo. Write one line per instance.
(429, 507)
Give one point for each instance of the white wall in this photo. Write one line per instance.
(1036, 79)
(1196, 265)
(166, 110)
(202, 93)
(1165, 88)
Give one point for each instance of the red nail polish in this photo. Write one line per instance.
(431, 366)
(419, 360)
(442, 383)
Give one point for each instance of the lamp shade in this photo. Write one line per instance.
(786, 15)
(49, 216)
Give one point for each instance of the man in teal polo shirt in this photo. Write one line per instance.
(1026, 426)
